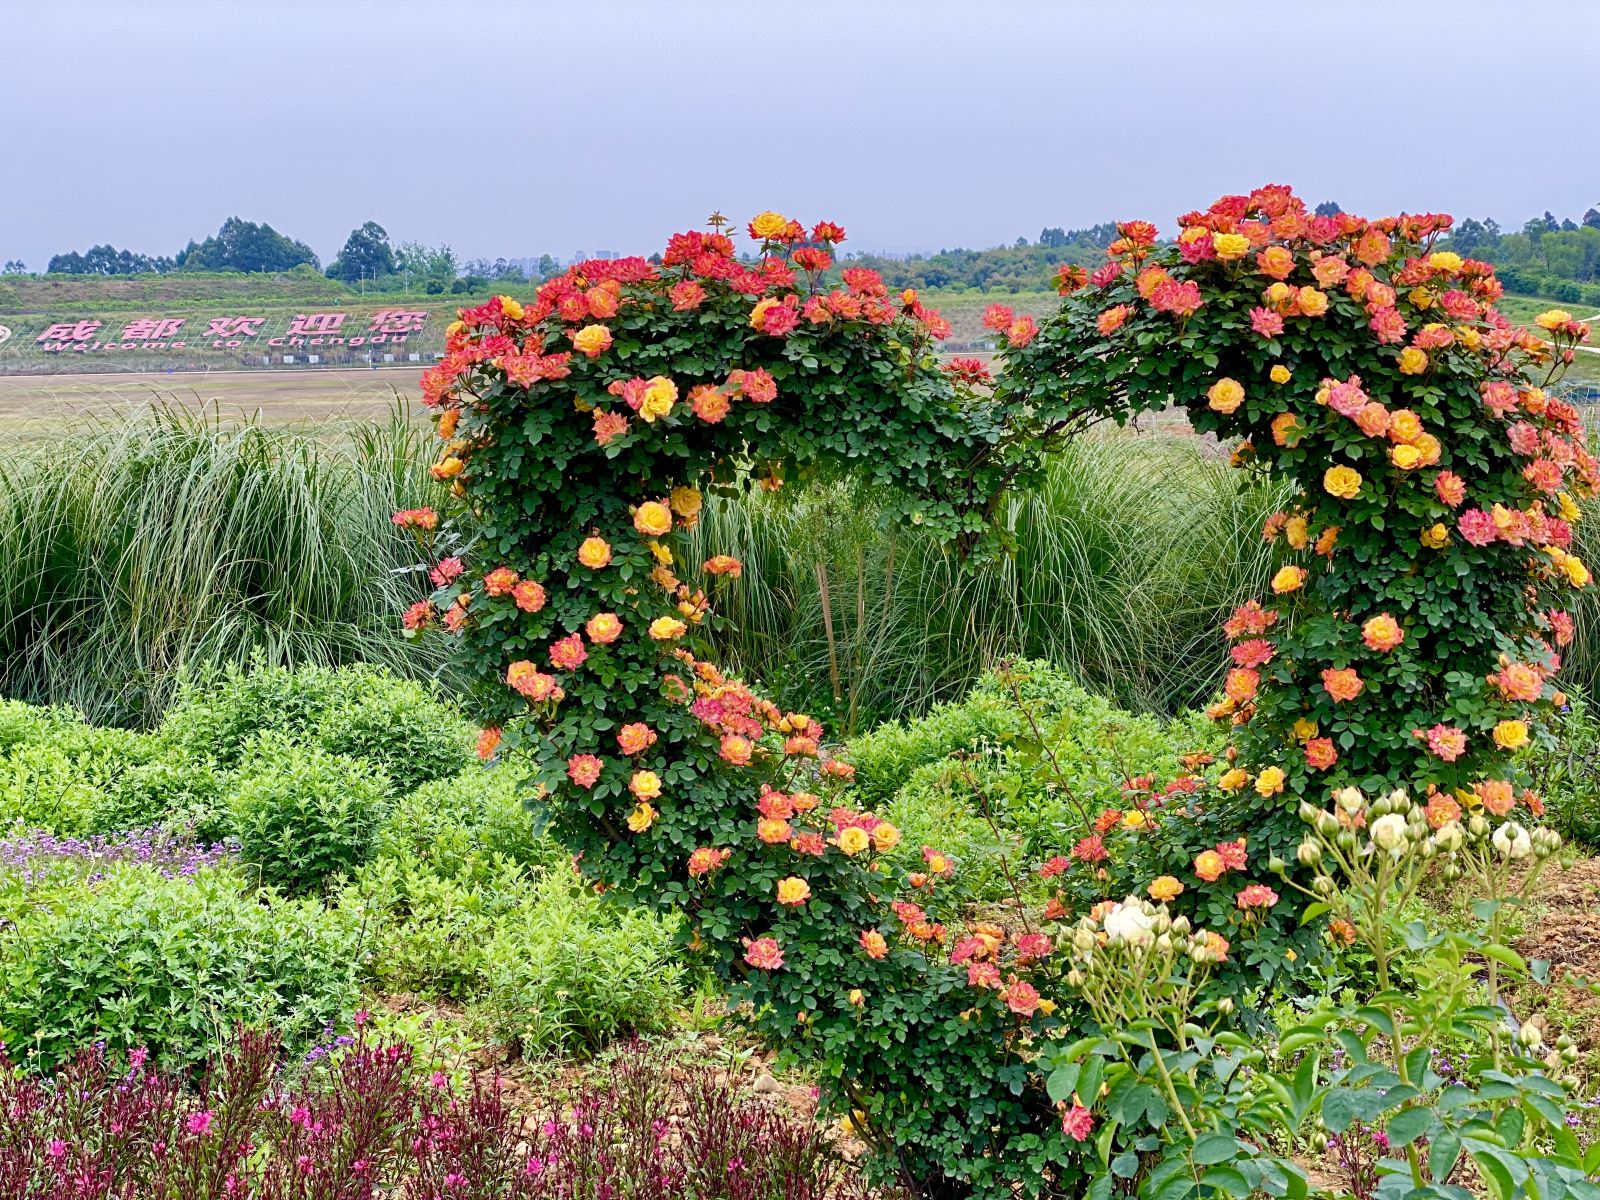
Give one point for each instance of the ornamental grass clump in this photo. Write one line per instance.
(1410, 636)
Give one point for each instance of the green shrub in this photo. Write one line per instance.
(1046, 765)
(218, 714)
(171, 965)
(433, 930)
(60, 782)
(454, 825)
(567, 972)
(42, 788)
(357, 711)
(28, 724)
(1565, 769)
(936, 807)
(303, 815)
(169, 790)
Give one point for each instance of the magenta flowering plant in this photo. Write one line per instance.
(368, 1120)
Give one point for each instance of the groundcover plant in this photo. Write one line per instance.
(1406, 648)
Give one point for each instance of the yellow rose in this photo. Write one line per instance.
(1552, 319)
(1577, 573)
(1270, 781)
(447, 467)
(686, 502)
(856, 997)
(885, 836)
(1445, 260)
(510, 307)
(1421, 297)
(1304, 729)
(1230, 246)
(594, 553)
(1570, 511)
(1294, 532)
(592, 340)
(1436, 537)
(645, 785)
(664, 629)
(853, 840)
(1164, 888)
(1404, 425)
(1341, 481)
(1234, 779)
(1429, 447)
(652, 518)
(1225, 395)
(1134, 819)
(1279, 373)
(768, 225)
(641, 818)
(1288, 579)
(1405, 457)
(1469, 337)
(1413, 361)
(1312, 302)
(793, 891)
(660, 394)
(1511, 735)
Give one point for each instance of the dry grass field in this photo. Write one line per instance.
(31, 402)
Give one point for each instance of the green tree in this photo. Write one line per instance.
(366, 255)
(245, 246)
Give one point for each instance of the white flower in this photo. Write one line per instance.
(1389, 832)
(1512, 841)
(1350, 799)
(1129, 923)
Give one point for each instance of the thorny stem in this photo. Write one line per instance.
(1044, 746)
(1005, 863)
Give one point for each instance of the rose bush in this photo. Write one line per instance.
(1408, 642)
(1415, 633)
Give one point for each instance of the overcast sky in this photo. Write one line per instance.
(518, 129)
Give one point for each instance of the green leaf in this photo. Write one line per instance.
(1442, 1154)
(1215, 1148)
(1408, 1125)
(1228, 1179)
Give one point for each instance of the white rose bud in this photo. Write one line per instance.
(1450, 836)
(1512, 841)
(1389, 833)
(1350, 799)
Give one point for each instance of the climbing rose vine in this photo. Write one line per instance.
(1408, 642)
(1412, 635)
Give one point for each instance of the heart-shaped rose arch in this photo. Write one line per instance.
(1412, 633)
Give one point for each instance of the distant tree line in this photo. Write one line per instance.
(1547, 257)
(1021, 266)
(367, 259)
